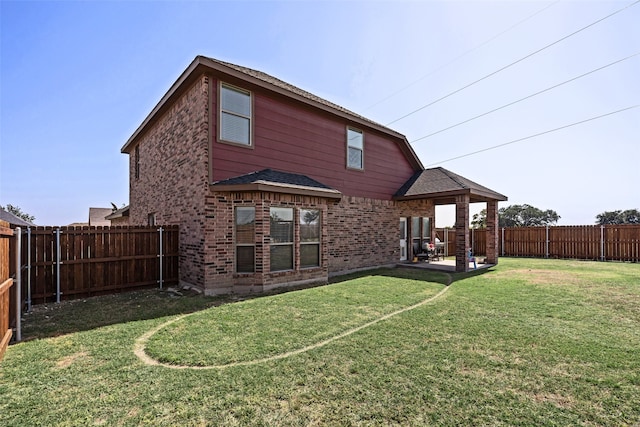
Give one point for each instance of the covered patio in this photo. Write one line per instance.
(444, 187)
(443, 265)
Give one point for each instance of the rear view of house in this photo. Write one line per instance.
(274, 186)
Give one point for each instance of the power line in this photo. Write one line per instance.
(525, 98)
(535, 135)
(435, 70)
(514, 63)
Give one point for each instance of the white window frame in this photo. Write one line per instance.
(221, 111)
(349, 147)
(242, 244)
(317, 243)
(290, 244)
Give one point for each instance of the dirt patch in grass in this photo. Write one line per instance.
(67, 361)
(541, 277)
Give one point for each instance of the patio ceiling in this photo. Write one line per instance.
(442, 186)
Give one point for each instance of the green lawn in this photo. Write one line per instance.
(530, 342)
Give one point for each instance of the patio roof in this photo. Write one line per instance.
(443, 186)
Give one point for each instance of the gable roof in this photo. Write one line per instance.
(119, 213)
(204, 65)
(97, 217)
(278, 182)
(443, 185)
(14, 220)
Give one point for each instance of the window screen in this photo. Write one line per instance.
(235, 115)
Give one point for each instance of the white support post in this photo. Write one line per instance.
(28, 269)
(18, 284)
(160, 230)
(58, 265)
(446, 241)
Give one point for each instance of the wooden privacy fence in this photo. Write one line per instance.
(5, 287)
(74, 262)
(594, 242)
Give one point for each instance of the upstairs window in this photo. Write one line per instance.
(355, 149)
(235, 115)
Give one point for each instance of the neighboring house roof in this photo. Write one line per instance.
(78, 224)
(14, 220)
(279, 182)
(201, 65)
(440, 183)
(123, 211)
(97, 217)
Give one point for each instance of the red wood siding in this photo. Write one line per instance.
(294, 138)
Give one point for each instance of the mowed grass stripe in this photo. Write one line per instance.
(277, 326)
(529, 342)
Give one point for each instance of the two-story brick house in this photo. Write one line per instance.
(272, 185)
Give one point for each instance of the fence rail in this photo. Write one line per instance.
(74, 262)
(5, 288)
(589, 242)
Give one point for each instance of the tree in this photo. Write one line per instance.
(479, 220)
(526, 216)
(18, 212)
(630, 216)
(518, 216)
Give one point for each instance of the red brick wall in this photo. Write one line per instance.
(357, 233)
(220, 276)
(173, 179)
(365, 233)
(173, 184)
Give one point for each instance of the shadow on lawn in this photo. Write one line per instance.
(51, 319)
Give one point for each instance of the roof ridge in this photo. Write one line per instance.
(268, 78)
(454, 177)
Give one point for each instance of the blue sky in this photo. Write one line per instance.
(77, 78)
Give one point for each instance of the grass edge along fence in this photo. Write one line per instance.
(588, 242)
(6, 283)
(75, 262)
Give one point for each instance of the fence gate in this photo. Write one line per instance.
(5, 286)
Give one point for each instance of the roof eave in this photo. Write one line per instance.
(273, 187)
(474, 194)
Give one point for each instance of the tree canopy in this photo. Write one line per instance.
(518, 216)
(630, 216)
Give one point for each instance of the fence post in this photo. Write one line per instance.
(446, 241)
(29, 269)
(502, 241)
(18, 284)
(161, 254)
(546, 244)
(602, 243)
(58, 265)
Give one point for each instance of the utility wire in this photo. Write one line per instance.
(525, 98)
(435, 70)
(514, 63)
(535, 135)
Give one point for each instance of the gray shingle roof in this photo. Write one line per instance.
(293, 89)
(439, 181)
(14, 220)
(271, 180)
(275, 177)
